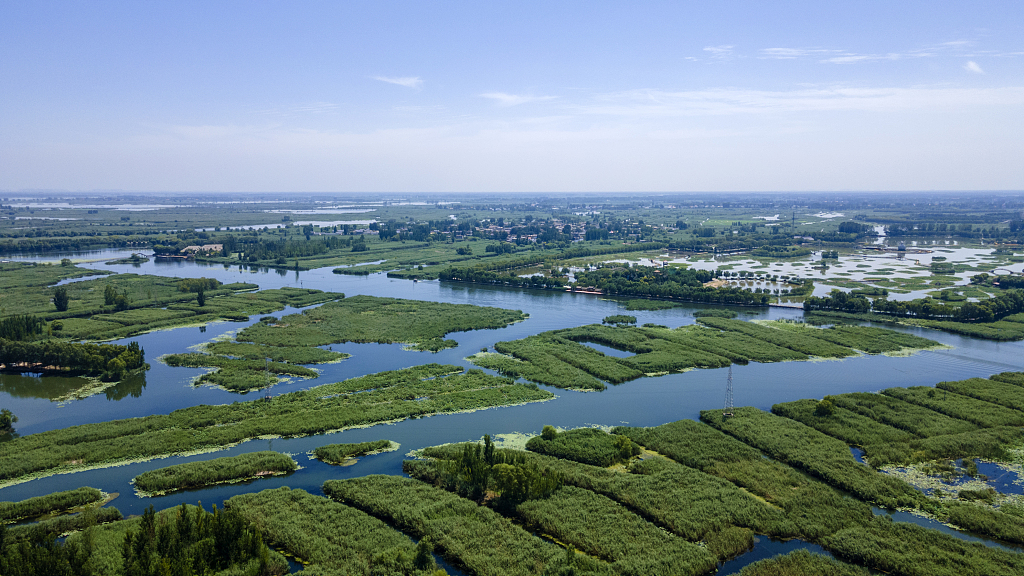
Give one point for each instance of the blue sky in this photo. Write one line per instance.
(508, 96)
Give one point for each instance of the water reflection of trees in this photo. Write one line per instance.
(130, 386)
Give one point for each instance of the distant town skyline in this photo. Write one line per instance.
(527, 96)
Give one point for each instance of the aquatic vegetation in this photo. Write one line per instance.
(620, 319)
(979, 412)
(813, 508)
(472, 537)
(586, 445)
(326, 535)
(649, 304)
(803, 341)
(383, 320)
(917, 420)
(217, 471)
(56, 502)
(381, 397)
(557, 358)
(685, 501)
(907, 549)
(289, 354)
(995, 390)
(715, 313)
(40, 531)
(338, 453)
(631, 544)
(237, 375)
(802, 563)
(821, 455)
(846, 425)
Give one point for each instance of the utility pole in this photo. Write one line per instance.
(728, 412)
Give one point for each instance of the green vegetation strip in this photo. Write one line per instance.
(472, 537)
(56, 502)
(217, 471)
(846, 527)
(289, 354)
(994, 391)
(813, 507)
(60, 525)
(236, 375)
(381, 397)
(329, 536)
(984, 414)
(812, 451)
(557, 358)
(383, 320)
(339, 453)
(585, 445)
(649, 305)
(632, 544)
(802, 563)
(687, 502)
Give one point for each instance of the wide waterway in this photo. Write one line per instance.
(644, 402)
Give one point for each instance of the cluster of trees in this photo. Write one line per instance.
(109, 361)
(119, 299)
(193, 541)
(839, 301)
(585, 445)
(995, 308)
(198, 284)
(20, 327)
(478, 276)
(675, 283)
(481, 468)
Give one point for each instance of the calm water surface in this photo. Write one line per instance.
(643, 402)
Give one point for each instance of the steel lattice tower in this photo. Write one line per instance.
(728, 395)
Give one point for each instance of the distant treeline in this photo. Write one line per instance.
(1005, 304)
(110, 361)
(674, 283)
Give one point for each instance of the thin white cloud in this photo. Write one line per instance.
(662, 104)
(407, 81)
(514, 99)
(972, 66)
(794, 53)
(723, 51)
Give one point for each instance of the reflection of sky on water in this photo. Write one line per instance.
(644, 402)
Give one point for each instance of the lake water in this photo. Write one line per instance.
(644, 402)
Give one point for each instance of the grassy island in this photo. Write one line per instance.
(382, 397)
(560, 358)
(341, 453)
(385, 320)
(217, 471)
(49, 504)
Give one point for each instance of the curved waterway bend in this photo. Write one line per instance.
(645, 402)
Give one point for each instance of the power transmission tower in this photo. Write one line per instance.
(728, 395)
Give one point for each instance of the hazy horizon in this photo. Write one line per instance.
(413, 97)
